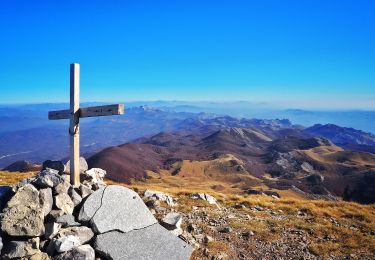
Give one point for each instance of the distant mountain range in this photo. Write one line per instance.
(348, 138)
(26, 134)
(323, 161)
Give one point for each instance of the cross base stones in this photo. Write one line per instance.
(112, 222)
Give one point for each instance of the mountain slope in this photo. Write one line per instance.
(349, 138)
(313, 165)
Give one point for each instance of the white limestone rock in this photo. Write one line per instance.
(63, 202)
(83, 252)
(83, 166)
(46, 200)
(115, 208)
(66, 243)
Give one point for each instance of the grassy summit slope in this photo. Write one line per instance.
(262, 227)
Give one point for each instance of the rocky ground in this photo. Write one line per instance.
(46, 218)
(269, 228)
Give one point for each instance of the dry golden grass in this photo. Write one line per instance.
(217, 177)
(335, 155)
(336, 228)
(10, 178)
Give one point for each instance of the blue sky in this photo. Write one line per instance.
(316, 53)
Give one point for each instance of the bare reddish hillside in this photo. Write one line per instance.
(129, 160)
(23, 166)
(313, 165)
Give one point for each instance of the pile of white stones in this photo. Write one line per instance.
(46, 218)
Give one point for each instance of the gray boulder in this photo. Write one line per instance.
(67, 221)
(22, 183)
(54, 215)
(153, 242)
(62, 187)
(210, 199)
(84, 234)
(172, 220)
(48, 178)
(158, 195)
(55, 165)
(83, 252)
(46, 200)
(96, 175)
(51, 229)
(24, 216)
(63, 202)
(18, 249)
(204, 196)
(115, 208)
(85, 191)
(75, 197)
(66, 243)
(83, 166)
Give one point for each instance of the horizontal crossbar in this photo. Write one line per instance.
(109, 110)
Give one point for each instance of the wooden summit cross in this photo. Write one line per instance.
(74, 114)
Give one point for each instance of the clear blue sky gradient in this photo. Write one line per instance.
(312, 53)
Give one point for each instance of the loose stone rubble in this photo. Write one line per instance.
(204, 196)
(161, 196)
(44, 217)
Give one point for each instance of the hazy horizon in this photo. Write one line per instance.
(248, 104)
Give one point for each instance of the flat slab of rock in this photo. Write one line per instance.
(153, 242)
(24, 216)
(115, 208)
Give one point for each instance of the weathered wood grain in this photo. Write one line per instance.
(108, 110)
(117, 109)
(59, 114)
(74, 125)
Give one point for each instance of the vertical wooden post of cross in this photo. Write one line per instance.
(74, 125)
